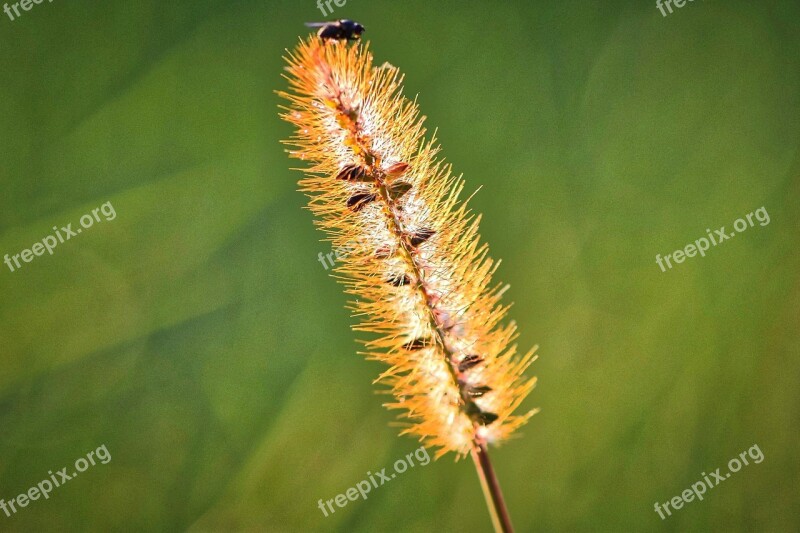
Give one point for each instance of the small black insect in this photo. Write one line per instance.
(340, 30)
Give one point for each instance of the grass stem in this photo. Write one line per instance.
(491, 489)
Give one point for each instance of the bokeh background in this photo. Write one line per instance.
(198, 337)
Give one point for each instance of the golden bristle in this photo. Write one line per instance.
(414, 261)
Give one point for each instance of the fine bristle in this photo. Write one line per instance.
(414, 261)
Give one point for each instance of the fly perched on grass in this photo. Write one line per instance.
(340, 30)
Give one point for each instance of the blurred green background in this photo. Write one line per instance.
(198, 337)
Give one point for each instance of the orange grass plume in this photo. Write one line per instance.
(421, 278)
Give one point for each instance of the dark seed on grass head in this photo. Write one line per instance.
(485, 418)
(468, 362)
(396, 170)
(417, 344)
(353, 173)
(384, 252)
(477, 392)
(359, 200)
(398, 189)
(421, 236)
(398, 280)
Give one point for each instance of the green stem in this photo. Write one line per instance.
(491, 489)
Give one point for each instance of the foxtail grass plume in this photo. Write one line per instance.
(420, 276)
